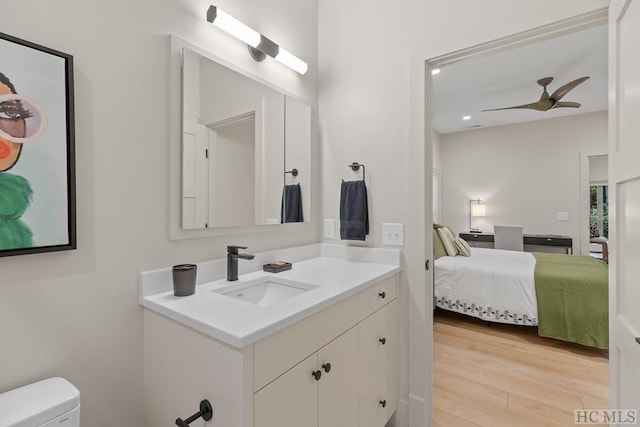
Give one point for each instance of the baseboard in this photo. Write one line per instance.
(417, 412)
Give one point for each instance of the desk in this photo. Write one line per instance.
(555, 240)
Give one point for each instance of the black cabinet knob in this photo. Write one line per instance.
(326, 367)
(383, 341)
(382, 295)
(383, 403)
(316, 374)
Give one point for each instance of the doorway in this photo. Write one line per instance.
(576, 24)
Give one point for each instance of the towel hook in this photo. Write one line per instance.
(293, 172)
(355, 166)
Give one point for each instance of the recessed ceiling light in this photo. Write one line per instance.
(435, 71)
(466, 118)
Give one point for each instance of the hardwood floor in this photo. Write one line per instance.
(506, 375)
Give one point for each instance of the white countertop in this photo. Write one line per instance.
(337, 271)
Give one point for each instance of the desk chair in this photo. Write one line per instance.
(508, 237)
(605, 247)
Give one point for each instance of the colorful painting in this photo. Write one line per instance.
(37, 164)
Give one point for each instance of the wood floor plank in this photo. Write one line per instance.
(445, 419)
(472, 390)
(544, 415)
(475, 412)
(543, 380)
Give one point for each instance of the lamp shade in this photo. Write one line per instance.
(479, 210)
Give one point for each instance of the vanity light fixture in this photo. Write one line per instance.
(259, 45)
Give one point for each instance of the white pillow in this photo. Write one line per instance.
(462, 246)
(448, 241)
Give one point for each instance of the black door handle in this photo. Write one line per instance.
(382, 295)
(326, 367)
(383, 403)
(383, 341)
(638, 340)
(316, 374)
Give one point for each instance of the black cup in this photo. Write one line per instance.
(184, 279)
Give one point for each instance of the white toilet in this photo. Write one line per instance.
(47, 403)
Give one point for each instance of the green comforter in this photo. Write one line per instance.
(573, 299)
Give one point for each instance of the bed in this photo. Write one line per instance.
(565, 296)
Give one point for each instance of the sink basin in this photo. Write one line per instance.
(264, 291)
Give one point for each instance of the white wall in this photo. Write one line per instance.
(235, 183)
(524, 173)
(599, 169)
(368, 52)
(75, 314)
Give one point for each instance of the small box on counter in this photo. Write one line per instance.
(277, 267)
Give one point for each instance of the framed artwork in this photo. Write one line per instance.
(37, 154)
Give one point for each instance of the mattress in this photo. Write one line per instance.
(492, 284)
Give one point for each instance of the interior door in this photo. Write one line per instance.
(624, 187)
(195, 199)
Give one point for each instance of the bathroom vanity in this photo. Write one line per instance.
(316, 345)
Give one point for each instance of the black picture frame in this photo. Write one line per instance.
(37, 98)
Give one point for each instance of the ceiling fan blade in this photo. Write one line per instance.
(563, 90)
(567, 104)
(542, 105)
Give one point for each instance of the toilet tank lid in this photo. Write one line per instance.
(37, 403)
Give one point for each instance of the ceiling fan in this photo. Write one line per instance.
(547, 102)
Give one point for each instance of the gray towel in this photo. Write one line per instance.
(354, 215)
(291, 204)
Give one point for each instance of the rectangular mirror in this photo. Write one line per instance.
(245, 150)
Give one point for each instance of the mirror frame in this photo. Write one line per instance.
(176, 232)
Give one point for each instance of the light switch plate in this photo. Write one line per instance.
(393, 234)
(562, 216)
(329, 228)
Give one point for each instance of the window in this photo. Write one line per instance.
(599, 211)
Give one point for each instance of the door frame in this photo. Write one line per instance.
(420, 133)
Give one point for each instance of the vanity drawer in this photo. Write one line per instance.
(377, 342)
(379, 400)
(277, 353)
(377, 296)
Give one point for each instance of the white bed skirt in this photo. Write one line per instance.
(492, 284)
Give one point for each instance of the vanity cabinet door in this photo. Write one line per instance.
(377, 296)
(377, 342)
(290, 400)
(379, 399)
(338, 388)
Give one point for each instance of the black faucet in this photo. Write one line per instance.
(232, 261)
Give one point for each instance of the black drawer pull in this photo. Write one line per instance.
(638, 340)
(383, 403)
(206, 412)
(382, 295)
(383, 341)
(326, 367)
(316, 374)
